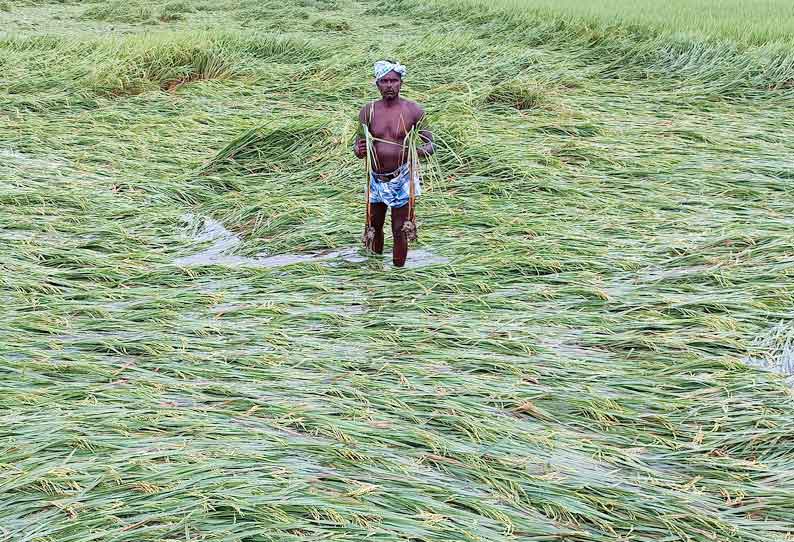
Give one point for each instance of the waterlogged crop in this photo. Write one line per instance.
(194, 347)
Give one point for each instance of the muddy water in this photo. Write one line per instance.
(223, 243)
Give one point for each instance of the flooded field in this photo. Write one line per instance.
(591, 341)
(220, 252)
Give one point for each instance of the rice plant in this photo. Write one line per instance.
(757, 21)
(591, 339)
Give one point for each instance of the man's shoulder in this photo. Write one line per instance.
(416, 110)
(364, 112)
(412, 105)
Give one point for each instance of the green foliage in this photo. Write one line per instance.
(757, 21)
(131, 66)
(180, 6)
(332, 24)
(623, 49)
(273, 148)
(193, 347)
(136, 11)
(120, 11)
(518, 94)
(324, 5)
(175, 11)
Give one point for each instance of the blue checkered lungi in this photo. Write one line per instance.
(395, 192)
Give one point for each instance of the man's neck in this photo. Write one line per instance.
(391, 102)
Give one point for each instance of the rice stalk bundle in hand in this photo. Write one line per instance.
(409, 227)
(369, 230)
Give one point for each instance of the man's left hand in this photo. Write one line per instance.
(426, 150)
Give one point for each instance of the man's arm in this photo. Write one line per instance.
(427, 148)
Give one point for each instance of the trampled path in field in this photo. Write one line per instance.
(599, 252)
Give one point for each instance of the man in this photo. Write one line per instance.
(389, 120)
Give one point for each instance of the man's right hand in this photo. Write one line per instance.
(360, 148)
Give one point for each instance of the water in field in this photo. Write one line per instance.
(222, 243)
(573, 353)
(774, 352)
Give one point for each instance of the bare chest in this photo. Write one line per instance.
(391, 125)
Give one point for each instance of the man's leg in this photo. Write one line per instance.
(398, 218)
(377, 218)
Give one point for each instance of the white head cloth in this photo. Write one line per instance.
(382, 67)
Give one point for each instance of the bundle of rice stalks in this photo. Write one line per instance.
(272, 14)
(164, 61)
(518, 94)
(120, 11)
(335, 25)
(274, 147)
(324, 5)
(276, 48)
(175, 11)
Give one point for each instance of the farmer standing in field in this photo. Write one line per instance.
(389, 121)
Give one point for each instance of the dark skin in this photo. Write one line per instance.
(389, 120)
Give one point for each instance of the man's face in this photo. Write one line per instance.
(389, 85)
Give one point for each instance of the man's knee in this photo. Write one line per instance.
(398, 217)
